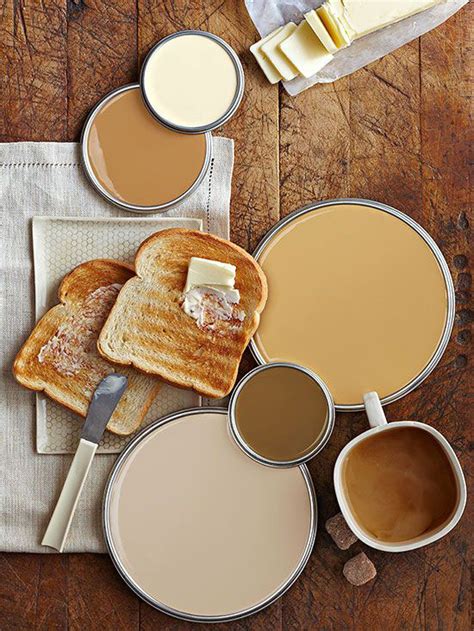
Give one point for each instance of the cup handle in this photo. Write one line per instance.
(374, 410)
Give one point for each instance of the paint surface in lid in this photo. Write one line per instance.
(138, 161)
(281, 413)
(190, 81)
(356, 295)
(200, 527)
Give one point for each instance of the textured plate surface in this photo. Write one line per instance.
(59, 245)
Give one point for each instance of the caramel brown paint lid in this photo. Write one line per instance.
(357, 294)
(134, 161)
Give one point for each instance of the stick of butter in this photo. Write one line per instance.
(320, 30)
(334, 28)
(265, 64)
(209, 273)
(272, 51)
(305, 50)
(338, 13)
(363, 17)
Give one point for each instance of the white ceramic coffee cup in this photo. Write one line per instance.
(378, 423)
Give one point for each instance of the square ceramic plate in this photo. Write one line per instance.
(59, 244)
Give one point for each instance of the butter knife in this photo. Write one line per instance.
(104, 401)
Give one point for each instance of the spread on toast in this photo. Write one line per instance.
(60, 356)
(73, 347)
(210, 296)
(212, 307)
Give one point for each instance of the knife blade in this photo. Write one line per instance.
(104, 401)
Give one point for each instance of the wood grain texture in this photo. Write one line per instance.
(385, 131)
(33, 94)
(101, 54)
(446, 135)
(97, 598)
(315, 145)
(397, 131)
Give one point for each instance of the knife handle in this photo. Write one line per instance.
(58, 527)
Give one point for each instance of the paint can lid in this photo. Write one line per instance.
(192, 81)
(281, 414)
(108, 179)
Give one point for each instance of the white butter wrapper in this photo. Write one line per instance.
(269, 15)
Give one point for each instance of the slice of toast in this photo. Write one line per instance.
(149, 329)
(60, 356)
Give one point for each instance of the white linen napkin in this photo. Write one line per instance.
(47, 179)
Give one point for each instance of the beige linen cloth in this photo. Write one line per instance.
(47, 179)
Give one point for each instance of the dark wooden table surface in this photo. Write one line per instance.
(396, 131)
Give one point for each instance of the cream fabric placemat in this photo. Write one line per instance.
(46, 179)
(59, 244)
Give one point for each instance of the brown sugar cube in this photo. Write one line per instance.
(340, 532)
(359, 570)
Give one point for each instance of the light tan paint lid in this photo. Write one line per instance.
(357, 296)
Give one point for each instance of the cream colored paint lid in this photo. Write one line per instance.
(200, 530)
(192, 81)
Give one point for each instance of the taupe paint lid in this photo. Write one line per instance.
(360, 294)
(281, 414)
(200, 531)
(135, 162)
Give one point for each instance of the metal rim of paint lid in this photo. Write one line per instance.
(450, 312)
(134, 208)
(242, 443)
(239, 92)
(136, 588)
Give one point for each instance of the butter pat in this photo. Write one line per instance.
(364, 17)
(320, 30)
(210, 274)
(334, 27)
(271, 50)
(305, 50)
(339, 14)
(265, 64)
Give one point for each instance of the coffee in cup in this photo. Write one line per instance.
(399, 485)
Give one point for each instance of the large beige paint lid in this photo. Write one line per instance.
(360, 294)
(198, 529)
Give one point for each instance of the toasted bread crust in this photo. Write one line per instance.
(75, 390)
(148, 329)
